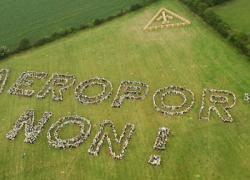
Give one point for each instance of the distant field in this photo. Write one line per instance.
(236, 13)
(36, 19)
(194, 56)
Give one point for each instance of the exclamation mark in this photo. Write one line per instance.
(160, 145)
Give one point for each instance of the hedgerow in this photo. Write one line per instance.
(25, 43)
(203, 8)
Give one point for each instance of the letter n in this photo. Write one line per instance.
(107, 128)
(31, 131)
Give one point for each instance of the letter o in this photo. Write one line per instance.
(186, 94)
(105, 94)
(53, 133)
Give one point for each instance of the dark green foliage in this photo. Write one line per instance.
(135, 7)
(83, 26)
(98, 22)
(24, 44)
(201, 7)
(214, 2)
(43, 41)
(4, 52)
(242, 41)
(214, 20)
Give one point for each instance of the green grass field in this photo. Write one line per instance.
(194, 56)
(236, 13)
(37, 19)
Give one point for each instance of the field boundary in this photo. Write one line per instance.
(240, 40)
(25, 44)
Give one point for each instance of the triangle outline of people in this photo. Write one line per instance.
(169, 15)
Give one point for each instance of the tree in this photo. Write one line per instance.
(98, 22)
(24, 44)
(4, 51)
(135, 7)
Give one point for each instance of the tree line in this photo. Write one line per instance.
(25, 43)
(239, 39)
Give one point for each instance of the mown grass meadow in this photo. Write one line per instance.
(194, 56)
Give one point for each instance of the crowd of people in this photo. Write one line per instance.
(31, 131)
(54, 131)
(162, 138)
(159, 100)
(247, 97)
(24, 80)
(101, 136)
(58, 82)
(225, 98)
(166, 18)
(160, 144)
(218, 99)
(155, 160)
(105, 94)
(170, 25)
(4, 73)
(130, 90)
